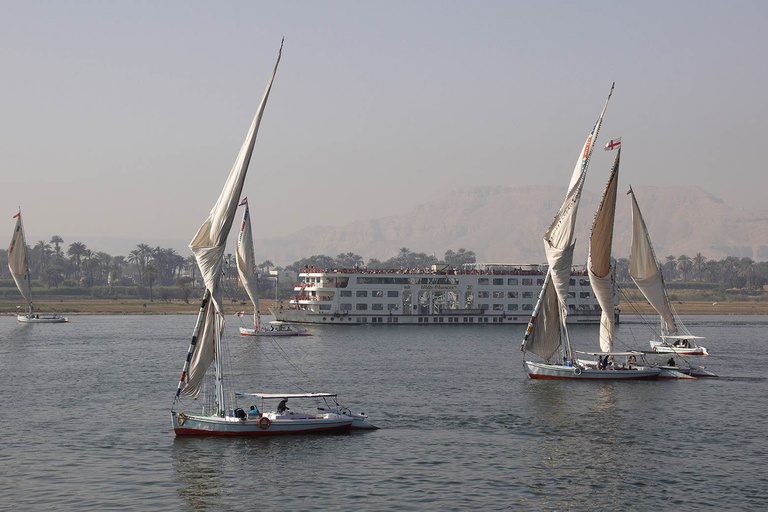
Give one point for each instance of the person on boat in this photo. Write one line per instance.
(671, 362)
(254, 411)
(281, 407)
(631, 361)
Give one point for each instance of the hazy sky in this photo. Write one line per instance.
(122, 119)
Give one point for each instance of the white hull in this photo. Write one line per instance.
(244, 331)
(693, 371)
(284, 424)
(672, 373)
(37, 319)
(562, 372)
(665, 348)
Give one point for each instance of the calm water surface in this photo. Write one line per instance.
(86, 423)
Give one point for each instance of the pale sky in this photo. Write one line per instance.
(123, 118)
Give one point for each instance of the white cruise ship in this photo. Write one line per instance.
(484, 294)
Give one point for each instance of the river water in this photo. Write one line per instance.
(86, 423)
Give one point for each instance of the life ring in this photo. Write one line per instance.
(264, 423)
(181, 419)
(577, 370)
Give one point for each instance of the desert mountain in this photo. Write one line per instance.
(506, 225)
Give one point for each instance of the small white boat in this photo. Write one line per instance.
(274, 328)
(19, 267)
(36, 318)
(579, 371)
(683, 346)
(280, 420)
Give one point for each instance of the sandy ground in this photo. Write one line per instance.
(139, 307)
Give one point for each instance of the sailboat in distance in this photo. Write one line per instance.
(246, 269)
(203, 376)
(19, 267)
(646, 272)
(547, 335)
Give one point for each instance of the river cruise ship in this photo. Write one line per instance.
(484, 294)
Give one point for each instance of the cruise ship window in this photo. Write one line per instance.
(527, 307)
(539, 282)
(584, 282)
(584, 295)
(498, 295)
(527, 295)
(483, 295)
(345, 293)
(392, 293)
(512, 307)
(484, 307)
(571, 295)
(345, 307)
(377, 307)
(377, 293)
(572, 282)
(361, 307)
(361, 293)
(498, 281)
(482, 280)
(511, 295)
(527, 281)
(512, 281)
(498, 307)
(325, 307)
(392, 307)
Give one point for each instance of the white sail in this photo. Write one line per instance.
(208, 247)
(543, 336)
(17, 260)
(645, 270)
(245, 262)
(558, 247)
(558, 239)
(600, 265)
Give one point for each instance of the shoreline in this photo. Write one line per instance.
(75, 307)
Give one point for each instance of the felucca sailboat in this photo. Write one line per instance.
(547, 334)
(203, 375)
(246, 269)
(646, 273)
(19, 266)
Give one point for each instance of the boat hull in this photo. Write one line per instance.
(663, 348)
(55, 319)
(244, 331)
(192, 425)
(562, 372)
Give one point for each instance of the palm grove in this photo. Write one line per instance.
(155, 272)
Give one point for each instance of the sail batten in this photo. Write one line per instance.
(208, 246)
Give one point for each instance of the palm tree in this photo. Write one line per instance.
(190, 264)
(150, 274)
(684, 265)
(403, 256)
(43, 250)
(75, 252)
(56, 240)
(698, 265)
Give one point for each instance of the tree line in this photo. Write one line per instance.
(54, 263)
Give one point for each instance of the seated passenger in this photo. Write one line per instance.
(254, 411)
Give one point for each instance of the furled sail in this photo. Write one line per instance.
(645, 270)
(208, 247)
(245, 262)
(600, 265)
(17, 260)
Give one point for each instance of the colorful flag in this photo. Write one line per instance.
(244, 201)
(613, 144)
(17, 215)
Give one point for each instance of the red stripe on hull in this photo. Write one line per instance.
(555, 377)
(180, 431)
